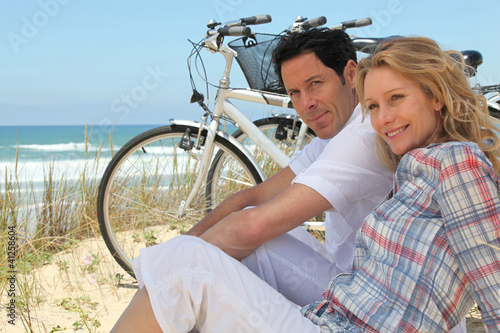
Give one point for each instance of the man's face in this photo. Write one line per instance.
(317, 93)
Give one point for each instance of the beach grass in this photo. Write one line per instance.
(50, 229)
(33, 229)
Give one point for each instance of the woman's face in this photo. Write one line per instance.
(400, 112)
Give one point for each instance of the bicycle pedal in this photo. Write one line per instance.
(186, 142)
(281, 132)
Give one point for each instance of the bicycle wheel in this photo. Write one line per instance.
(287, 143)
(146, 181)
(268, 126)
(494, 112)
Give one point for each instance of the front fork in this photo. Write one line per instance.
(204, 163)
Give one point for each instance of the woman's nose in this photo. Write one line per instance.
(384, 115)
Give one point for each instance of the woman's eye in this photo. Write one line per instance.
(396, 97)
(372, 107)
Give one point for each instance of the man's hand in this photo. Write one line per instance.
(255, 196)
(242, 232)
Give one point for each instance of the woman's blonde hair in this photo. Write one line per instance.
(440, 75)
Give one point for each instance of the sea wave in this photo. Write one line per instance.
(35, 173)
(63, 147)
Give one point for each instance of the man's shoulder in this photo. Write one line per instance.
(360, 124)
(358, 129)
(357, 133)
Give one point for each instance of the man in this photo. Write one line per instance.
(340, 176)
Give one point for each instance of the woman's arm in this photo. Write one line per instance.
(469, 198)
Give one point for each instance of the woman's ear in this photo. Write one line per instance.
(438, 105)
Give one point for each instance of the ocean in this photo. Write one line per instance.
(61, 149)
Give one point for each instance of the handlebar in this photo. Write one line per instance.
(257, 19)
(237, 27)
(235, 31)
(315, 22)
(357, 23)
(302, 24)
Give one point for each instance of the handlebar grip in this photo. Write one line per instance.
(315, 22)
(257, 19)
(235, 31)
(357, 23)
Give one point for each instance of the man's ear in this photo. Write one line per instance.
(350, 72)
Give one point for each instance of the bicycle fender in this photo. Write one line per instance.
(493, 105)
(226, 136)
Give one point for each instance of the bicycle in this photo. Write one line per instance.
(162, 181)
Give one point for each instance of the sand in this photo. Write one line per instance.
(71, 293)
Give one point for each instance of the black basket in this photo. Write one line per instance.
(254, 58)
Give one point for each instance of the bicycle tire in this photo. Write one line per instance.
(494, 112)
(142, 186)
(269, 126)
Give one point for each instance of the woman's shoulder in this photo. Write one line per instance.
(450, 148)
(443, 155)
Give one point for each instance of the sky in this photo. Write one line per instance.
(118, 62)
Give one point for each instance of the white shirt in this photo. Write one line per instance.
(346, 172)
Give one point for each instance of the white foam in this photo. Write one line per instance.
(62, 147)
(34, 173)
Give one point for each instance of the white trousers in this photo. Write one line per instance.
(298, 266)
(194, 285)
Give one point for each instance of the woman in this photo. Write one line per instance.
(423, 257)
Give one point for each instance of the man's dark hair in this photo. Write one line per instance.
(333, 47)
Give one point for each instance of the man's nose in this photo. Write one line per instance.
(308, 101)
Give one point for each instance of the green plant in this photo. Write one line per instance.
(118, 278)
(63, 265)
(77, 325)
(150, 238)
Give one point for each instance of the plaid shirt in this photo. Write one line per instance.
(422, 257)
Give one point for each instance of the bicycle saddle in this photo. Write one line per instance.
(368, 45)
(472, 58)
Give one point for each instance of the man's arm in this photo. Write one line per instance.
(254, 196)
(241, 232)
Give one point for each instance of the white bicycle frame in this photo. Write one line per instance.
(223, 106)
